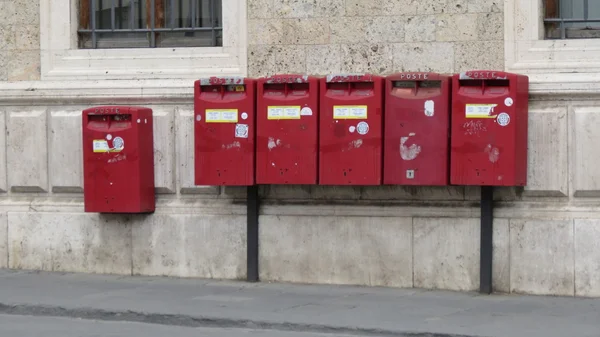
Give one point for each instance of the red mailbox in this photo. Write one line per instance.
(417, 123)
(287, 130)
(489, 129)
(350, 130)
(118, 160)
(224, 115)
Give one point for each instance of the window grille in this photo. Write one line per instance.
(572, 19)
(150, 23)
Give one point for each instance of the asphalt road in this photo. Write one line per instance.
(29, 326)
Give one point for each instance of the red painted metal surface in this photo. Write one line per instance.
(489, 129)
(350, 145)
(287, 130)
(224, 131)
(417, 125)
(118, 159)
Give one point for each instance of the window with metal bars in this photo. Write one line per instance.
(150, 23)
(572, 19)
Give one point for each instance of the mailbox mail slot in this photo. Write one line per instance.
(287, 130)
(350, 130)
(417, 125)
(489, 129)
(224, 121)
(118, 160)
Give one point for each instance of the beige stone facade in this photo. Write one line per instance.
(381, 37)
(545, 235)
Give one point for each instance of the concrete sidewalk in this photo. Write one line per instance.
(335, 309)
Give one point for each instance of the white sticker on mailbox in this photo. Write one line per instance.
(100, 145)
(283, 112)
(350, 112)
(241, 130)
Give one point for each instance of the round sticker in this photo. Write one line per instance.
(352, 129)
(139, 120)
(508, 101)
(244, 115)
(362, 128)
(108, 137)
(118, 143)
(306, 111)
(198, 118)
(503, 119)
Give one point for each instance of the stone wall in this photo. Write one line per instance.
(19, 40)
(546, 234)
(377, 36)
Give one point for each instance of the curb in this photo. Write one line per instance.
(201, 321)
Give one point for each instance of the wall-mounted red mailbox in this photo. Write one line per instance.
(118, 160)
(489, 129)
(224, 121)
(417, 125)
(287, 130)
(350, 146)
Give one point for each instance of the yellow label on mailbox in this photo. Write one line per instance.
(221, 116)
(350, 112)
(283, 112)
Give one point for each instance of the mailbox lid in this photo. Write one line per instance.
(350, 143)
(487, 129)
(224, 135)
(416, 132)
(118, 159)
(287, 129)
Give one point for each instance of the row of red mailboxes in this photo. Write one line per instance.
(404, 129)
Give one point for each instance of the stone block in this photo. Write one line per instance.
(479, 55)
(323, 60)
(330, 8)
(446, 253)
(420, 28)
(424, 56)
(185, 158)
(541, 257)
(23, 65)
(547, 168)
(66, 152)
(412, 193)
(585, 155)
(490, 26)
(289, 59)
(485, 6)
(294, 8)
(349, 30)
(286, 192)
(164, 149)
(26, 12)
(3, 166)
(319, 192)
(501, 256)
(431, 6)
(186, 245)
(7, 36)
(457, 6)
(27, 37)
(260, 9)
(372, 251)
(70, 242)
(306, 31)
(27, 150)
(365, 7)
(587, 255)
(400, 7)
(260, 61)
(372, 58)
(457, 27)
(3, 241)
(382, 29)
(266, 32)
